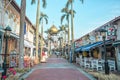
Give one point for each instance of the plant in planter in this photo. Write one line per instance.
(10, 73)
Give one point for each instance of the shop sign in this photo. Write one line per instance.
(111, 34)
(77, 43)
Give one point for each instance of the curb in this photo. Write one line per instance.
(26, 74)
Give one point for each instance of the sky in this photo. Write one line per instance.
(89, 15)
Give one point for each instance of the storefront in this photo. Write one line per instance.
(13, 45)
(116, 44)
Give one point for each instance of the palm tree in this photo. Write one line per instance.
(49, 40)
(42, 17)
(67, 14)
(37, 24)
(70, 2)
(63, 30)
(22, 20)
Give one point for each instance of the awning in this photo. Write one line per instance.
(14, 35)
(28, 44)
(91, 46)
(78, 49)
(116, 43)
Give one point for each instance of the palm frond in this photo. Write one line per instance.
(64, 10)
(67, 4)
(62, 18)
(73, 12)
(44, 3)
(82, 1)
(71, 1)
(66, 25)
(67, 16)
(33, 1)
(46, 20)
(63, 27)
(43, 16)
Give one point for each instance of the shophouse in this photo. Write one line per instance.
(92, 43)
(10, 16)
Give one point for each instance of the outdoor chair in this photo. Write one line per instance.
(93, 64)
(78, 61)
(111, 65)
(81, 61)
(86, 63)
(97, 64)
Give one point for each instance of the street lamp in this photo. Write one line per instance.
(103, 33)
(6, 36)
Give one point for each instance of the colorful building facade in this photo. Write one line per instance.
(10, 16)
(93, 42)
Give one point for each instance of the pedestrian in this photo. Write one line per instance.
(57, 53)
(43, 57)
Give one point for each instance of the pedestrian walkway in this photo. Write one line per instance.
(57, 69)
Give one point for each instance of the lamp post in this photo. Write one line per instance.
(103, 32)
(7, 34)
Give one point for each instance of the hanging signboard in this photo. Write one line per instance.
(111, 34)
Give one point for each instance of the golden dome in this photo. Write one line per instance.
(53, 30)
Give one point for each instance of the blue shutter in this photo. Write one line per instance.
(24, 27)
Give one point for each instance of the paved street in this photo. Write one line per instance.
(57, 69)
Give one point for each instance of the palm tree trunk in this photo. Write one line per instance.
(65, 44)
(37, 30)
(72, 32)
(72, 23)
(21, 42)
(41, 40)
(68, 38)
(48, 47)
(68, 33)
(48, 44)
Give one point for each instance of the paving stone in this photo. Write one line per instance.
(57, 69)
